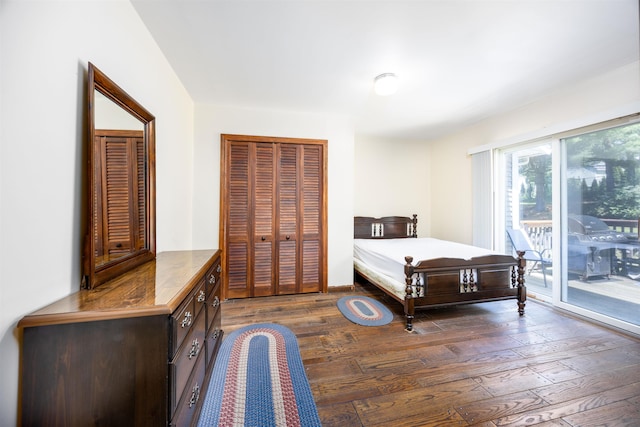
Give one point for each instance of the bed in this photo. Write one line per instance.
(426, 272)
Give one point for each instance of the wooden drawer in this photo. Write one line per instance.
(184, 362)
(200, 298)
(212, 278)
(190, 399)
(213, 306)
(181, 321)
(184, 317)
(214, 337)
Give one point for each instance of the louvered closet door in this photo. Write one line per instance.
(239, 212)
(287, 219)
(311, 251)
(273, 213)
(298, 218)
(250, 241)
(264, 228)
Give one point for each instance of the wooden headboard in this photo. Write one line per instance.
(387, 227)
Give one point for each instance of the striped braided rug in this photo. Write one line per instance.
(364, 311)
(259, 380)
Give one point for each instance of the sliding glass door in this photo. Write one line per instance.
(575, 201)
(601, 193)
(528, 211)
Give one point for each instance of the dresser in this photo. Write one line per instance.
(137, 350)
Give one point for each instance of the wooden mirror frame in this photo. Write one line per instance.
(94, 274)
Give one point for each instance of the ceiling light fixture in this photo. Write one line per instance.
(385, 84)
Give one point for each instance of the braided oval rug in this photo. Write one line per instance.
(259, 380)
(364, 311)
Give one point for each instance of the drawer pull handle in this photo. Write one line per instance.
(195, 349)
(216, 302)
(186, 322)
(195, 395)
(201, 296)
(219, 268)
(212, 279)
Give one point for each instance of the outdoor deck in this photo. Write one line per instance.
(616, 296)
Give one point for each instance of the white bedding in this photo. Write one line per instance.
(386, 256)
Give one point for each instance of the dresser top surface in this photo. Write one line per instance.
(154, 288)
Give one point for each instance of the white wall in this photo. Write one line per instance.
(605, 97)
(393, 178)
(212, 121)
(45, 48)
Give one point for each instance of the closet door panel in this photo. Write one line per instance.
(311, 250)
(263, 239)
(239, 191)
(288, 191)
(287, 219)
(311, 261)
(287, 268)
(263, 284)
(264, 191)
(237, 271)
(312, 191)
(239, 225)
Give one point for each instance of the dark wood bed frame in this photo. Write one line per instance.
(446, 281)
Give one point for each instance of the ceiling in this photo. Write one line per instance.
(458, 61)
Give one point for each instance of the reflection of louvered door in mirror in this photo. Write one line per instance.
(273, 216)
(120, 227)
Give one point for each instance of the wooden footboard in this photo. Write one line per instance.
(449, 281)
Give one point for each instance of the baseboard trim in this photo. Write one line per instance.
(342, 288)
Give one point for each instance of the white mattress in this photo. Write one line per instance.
(386, 256)
(393, 286)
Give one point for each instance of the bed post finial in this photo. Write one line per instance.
(414, 226)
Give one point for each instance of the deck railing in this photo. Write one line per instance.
(539, 231)
(629, 227)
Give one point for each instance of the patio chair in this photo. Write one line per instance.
(520, 242)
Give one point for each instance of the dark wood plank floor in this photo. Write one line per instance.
(474, 365)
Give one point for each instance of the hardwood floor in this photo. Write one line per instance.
(474, 365)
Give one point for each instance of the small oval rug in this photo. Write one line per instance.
(364, 311)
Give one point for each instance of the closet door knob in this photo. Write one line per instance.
(288, 237)
(263, 238)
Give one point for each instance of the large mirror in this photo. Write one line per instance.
(120, 180)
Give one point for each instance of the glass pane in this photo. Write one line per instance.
(603, 209)
(528, 211)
